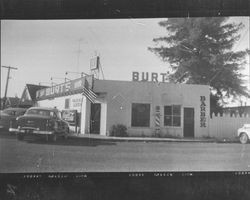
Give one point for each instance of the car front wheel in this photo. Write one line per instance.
(243, 138)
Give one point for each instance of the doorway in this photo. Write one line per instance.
(188, 122)
(95, 118)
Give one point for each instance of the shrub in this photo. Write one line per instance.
(118, 130)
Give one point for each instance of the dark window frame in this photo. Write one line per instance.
(172, 116)
(136, 116)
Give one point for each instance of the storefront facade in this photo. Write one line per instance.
(145, 108)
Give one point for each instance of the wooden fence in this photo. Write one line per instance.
(226, 126)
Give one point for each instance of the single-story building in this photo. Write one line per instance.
(145, 108)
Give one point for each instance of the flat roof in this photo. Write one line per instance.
(99, 81)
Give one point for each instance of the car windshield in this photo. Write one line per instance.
(41, 112)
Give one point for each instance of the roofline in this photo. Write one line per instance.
(152, 82)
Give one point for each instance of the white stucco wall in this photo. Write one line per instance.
(121, 95)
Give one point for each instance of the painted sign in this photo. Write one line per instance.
(77, 102)
(203, 120)
(69, 116)
(70, 87)
(146, 76)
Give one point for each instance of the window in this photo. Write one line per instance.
(66, 103)
(172, 115)
(140, 115)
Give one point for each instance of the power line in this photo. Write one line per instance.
(78, 54)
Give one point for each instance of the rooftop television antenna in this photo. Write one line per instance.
(78, 54)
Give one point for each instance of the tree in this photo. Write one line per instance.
(202, 49)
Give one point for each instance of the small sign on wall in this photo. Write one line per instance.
(76, 103)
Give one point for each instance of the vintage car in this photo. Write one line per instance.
(244, 133)
(41, 121)
(8, 117)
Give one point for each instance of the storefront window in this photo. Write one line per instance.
(66, 103)
(140, 115)
(172, 115)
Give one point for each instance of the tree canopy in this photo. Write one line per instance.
(202, 49)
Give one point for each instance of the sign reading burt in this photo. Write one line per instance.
(203, 112)
(67, 88)
(146, 76)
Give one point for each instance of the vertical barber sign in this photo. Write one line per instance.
(203, 120)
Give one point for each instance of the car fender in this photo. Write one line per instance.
(244, 131)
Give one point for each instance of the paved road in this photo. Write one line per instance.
(84, 155)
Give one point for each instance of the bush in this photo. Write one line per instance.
(118, 130)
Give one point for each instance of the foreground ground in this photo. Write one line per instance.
(84, 155)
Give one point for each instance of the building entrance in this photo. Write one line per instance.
(188, 122)
(95, 118)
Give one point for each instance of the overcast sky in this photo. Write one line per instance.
(42, 49)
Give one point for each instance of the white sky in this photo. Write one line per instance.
(42, 49)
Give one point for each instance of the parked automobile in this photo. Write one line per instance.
(42, 121)
(8, 117)
(244, 133)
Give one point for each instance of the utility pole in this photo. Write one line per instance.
(7, 83)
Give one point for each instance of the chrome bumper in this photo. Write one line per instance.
(30, 131)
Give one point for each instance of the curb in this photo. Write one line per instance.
(119, 139)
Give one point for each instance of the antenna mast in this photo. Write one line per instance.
(78, 54)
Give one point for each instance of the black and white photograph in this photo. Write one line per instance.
(136, 97)
(164, 94)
